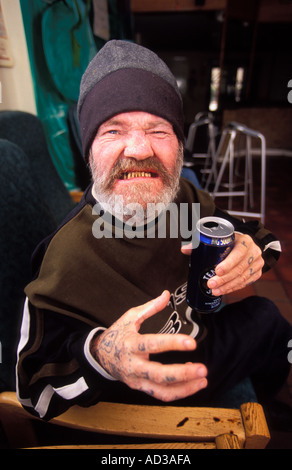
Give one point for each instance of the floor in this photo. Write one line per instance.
(276, 284)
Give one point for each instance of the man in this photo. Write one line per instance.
(106, 314)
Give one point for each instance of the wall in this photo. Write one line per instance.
(16, 81)
(274, 123)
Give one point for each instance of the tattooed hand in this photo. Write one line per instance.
(241, 267)
(124, 353)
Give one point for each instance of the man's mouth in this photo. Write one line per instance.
(137, 174)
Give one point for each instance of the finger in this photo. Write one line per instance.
(240, 274)
(169, 373)
(250, 275)
(244, 254)
(159, 343)
(142, 312)
(235, 285)
(187, 249)
(167, 393)
(243, 249)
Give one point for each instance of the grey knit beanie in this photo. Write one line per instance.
(123, 77)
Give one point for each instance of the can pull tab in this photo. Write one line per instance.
(211, 226)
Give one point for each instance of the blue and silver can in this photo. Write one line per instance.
(216, 240)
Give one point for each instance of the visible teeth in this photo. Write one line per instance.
(136, 174)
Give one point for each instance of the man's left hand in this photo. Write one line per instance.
(241, 267)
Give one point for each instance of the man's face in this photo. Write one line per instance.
(136, 156)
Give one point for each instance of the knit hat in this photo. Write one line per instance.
(124, 77)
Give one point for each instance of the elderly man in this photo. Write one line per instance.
(106, 313)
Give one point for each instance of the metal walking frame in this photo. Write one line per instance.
(203, 119)
(227, 142)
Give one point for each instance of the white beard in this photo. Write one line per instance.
(127, 207)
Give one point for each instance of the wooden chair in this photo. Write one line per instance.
(171, 427)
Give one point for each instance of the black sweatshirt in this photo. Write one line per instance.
(82, 284)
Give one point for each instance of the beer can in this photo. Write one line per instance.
(216, 240)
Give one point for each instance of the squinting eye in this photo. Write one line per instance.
(112, 131)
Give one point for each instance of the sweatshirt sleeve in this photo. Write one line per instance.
(55, 369)
(267, 241)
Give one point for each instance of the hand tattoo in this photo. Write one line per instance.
(141, 347)
(108, 341)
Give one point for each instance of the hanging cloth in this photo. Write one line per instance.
(68, 44)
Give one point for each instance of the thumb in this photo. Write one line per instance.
(151, 308)
(187, 249)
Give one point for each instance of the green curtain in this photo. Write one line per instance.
(60, 44)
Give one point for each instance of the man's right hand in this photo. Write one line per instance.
(124, 353)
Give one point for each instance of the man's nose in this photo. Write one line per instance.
(138, 146)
